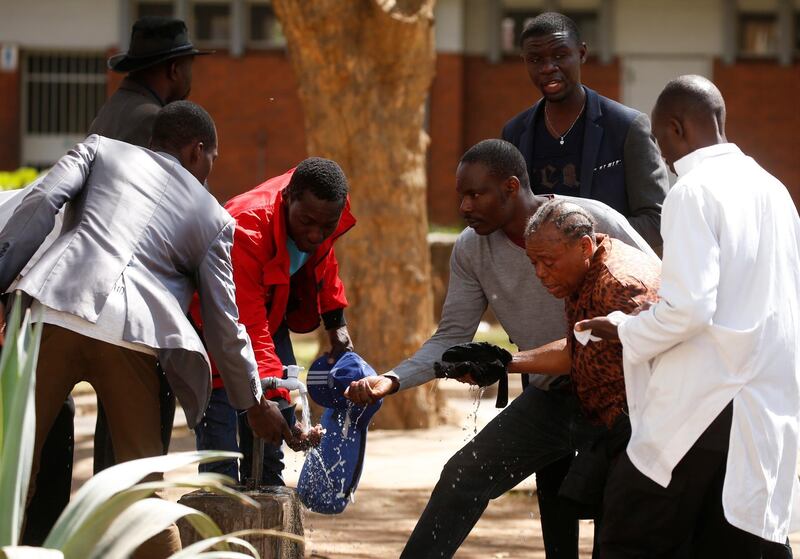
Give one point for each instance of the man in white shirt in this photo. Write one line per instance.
(711, 370)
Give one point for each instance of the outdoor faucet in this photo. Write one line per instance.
(290, 382)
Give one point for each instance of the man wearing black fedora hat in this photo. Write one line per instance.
(159, 67)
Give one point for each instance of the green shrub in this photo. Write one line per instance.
(11, 180)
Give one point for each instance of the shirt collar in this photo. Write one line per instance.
(692, 160)
(169, 156)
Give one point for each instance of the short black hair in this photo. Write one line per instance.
(692, 97)
(550, 23)
(571, 220)
(322, 177)
(181, 123)
(501, 158)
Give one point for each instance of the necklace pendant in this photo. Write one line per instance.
(561, 141)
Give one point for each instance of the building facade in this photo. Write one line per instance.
(53, 76)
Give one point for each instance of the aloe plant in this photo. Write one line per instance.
(115, 511)
(17, 419)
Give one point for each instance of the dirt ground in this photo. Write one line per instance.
(400, 470)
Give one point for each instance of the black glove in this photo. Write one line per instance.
(486, 363)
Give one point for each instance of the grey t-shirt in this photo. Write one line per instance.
(492, 270)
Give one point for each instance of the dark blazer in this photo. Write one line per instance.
(621, 164)
(128, 115)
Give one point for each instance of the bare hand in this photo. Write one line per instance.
(303, 440)
(600, 327)
(267, 422)
(641, 308)
(369, 390)
(340, 343)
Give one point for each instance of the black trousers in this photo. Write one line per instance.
(642, 520)
(537, 433)
(52, 487)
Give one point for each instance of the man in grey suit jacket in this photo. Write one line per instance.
(140, 236)
(159, 67)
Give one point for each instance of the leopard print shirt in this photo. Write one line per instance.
(620, 277)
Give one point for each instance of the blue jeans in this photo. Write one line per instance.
(222, 423)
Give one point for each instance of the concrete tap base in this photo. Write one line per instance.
(280, 510)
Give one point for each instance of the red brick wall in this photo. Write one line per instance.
(446, 110)
(763, 118)
(259, 117)
(470, 100)
(9, 120)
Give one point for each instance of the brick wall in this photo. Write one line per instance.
(259, 117)
(9, 120)
(254, 102)
(762, 116)
(446, 110)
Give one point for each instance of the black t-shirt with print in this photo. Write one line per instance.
(556, 168)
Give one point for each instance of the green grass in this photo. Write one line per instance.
(434, 228)
(497, 336)
(306, 349)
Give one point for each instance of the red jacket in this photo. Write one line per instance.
(265, 293)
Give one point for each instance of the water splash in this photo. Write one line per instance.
(477, 395)
(305, 412)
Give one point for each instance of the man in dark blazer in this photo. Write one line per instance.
(579, 143)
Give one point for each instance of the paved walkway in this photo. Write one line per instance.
(400, 470)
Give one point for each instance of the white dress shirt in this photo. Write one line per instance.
(727, 327)
(110, 324)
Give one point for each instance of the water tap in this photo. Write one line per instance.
(289, 382)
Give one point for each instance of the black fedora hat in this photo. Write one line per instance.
(154, 39)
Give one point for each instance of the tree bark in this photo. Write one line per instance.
(365, 68)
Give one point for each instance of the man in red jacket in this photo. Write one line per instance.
(287, 278)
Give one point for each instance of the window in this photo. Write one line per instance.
(212, 23)
(758, 35)
(163, 9)
(61, 94)
(514, 21)
(263, 27)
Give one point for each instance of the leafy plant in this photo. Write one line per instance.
(10, 180)
(115, 511)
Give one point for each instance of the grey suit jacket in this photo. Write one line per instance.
(134, 213)
(128, 115)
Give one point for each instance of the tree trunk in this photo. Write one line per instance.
(364, 68)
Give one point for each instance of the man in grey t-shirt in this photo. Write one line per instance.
(539, 431)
